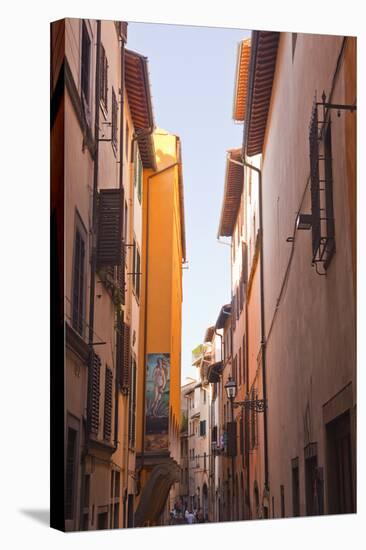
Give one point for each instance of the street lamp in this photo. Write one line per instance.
(231, 389)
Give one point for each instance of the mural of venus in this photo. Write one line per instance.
(157, 401)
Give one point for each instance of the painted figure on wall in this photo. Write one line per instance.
(160, 381)
(157, 400)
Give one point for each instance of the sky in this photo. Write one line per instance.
(192, 72)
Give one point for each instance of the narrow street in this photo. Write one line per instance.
(203, 191)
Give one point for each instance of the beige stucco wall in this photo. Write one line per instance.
(311, 349)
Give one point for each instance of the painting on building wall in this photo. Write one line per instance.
(157, 401)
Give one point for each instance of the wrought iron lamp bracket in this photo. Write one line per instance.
(257, 405)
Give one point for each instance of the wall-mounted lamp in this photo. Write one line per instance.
(304, 221)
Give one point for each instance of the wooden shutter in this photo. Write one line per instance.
(85, 62)
(114, 118)
(103, 77)
(231, 439)
(119, 347)
(132, 411)
(241, 427)
(244, 265)
(126, 359)
(109, 248)
(94, 393)
(233, 313)
(108, 393)
(78, 283)
(121, 274)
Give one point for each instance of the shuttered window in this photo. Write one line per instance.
(114, 119)
(253, 423)
(136, 269)
(126, 358)
(110, 222)
(108, 403)
(85, 62)
(138, 174)
(202, 428)
(132, 411)
(123, 353)
(70, 473)
(231, 439)
(103, 78)
(94, 393)
(241, 428)
(78, 294)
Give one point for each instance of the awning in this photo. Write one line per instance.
(139, 101)
(234, 180)
(264, 47)
(241, 80)
(209, 334)
(215, 371)
(225, 312)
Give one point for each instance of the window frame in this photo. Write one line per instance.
(114, 121)
(85, 71)
(103, 91)
(79, 228)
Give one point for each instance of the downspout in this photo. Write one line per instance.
(95, 188)
(263, 334)
(145, 312)
(93, 253)
(121, 150)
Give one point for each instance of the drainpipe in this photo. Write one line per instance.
(263, 334)
(95, 188)
(120, 182)
(93, 254)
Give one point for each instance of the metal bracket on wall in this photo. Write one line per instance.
(257, 405)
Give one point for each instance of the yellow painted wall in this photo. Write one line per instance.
(162, 265)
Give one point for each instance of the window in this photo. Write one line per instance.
(103, 82)
(204, 397)
(94, 394)
(132, 411)
(127, 139)
(138, 174)
(70, 473)
(282, 501)
(79, 286)
(239, 374)
(86, 490)
(117, 484)
(253, 423)
(136, 270)
(116, 516)
(202, 428)
(112, 482)
(341, 487)
(295, 487)
(243, 360)
(204, 461)
(235, 369)
(85, 62)
(241, 428)
(114, 119)
(125, 223)
(108, 393)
